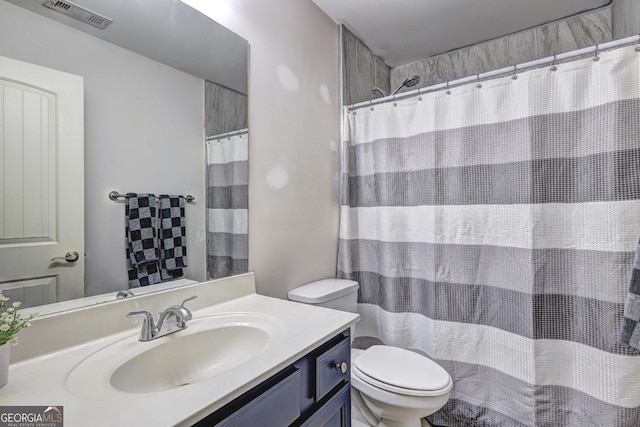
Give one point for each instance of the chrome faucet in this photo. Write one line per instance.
(173, 319)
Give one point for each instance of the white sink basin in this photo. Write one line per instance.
(189, 358)
(209, 347)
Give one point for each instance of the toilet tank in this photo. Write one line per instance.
(338, 294)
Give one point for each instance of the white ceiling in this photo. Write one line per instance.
(167, 31)
(404, 31)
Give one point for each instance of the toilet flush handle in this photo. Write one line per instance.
(342, 367)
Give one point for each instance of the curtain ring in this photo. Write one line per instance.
(479, 85)
(553, 64)
(448, 90)
(515, 72)
(596, 58)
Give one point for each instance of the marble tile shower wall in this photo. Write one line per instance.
(626, 18)
(620, 20)
(563, 36)
(225, 109)
(361, 70)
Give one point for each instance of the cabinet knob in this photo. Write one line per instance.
(342, 367)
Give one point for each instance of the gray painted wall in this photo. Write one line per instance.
(294, 120)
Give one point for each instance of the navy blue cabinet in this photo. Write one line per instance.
(335, 413)
(314, 391)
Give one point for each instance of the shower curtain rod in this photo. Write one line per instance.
(227, 134)
(507, 70)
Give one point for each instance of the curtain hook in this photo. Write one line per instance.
(638, 47)
(448, 90)
(515, 72)
(479, 85)
(596, 57)
(553, 64)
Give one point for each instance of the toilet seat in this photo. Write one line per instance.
(401, 371)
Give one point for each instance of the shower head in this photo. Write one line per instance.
(411, 81)
(408, 82)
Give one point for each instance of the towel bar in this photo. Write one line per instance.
(114, 195)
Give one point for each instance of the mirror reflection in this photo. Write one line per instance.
(155, 103)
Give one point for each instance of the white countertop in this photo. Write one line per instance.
(42, 380)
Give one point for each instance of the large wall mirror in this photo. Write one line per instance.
(158, 101)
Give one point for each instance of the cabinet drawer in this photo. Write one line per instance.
(328, 375)
(276, 407)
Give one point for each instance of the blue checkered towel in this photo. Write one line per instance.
(173, 246)
(142, 247)
(630, 331)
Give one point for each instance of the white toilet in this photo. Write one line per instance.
(391, 386)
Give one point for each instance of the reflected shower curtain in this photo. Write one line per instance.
(227, 202)
(494, 230)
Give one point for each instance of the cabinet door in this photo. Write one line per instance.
(335, 413)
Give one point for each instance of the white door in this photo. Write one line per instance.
(41, 183)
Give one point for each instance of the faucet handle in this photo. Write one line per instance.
(188, 312)
(149, 316)
(141, 312)
(148, 327)
(126, 293)
(187, 300)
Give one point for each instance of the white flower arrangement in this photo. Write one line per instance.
(11, 322)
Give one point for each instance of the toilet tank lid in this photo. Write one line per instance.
(323, 290)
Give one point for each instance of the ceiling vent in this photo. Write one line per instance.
(78, 12)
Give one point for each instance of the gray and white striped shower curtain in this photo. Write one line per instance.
(494, 230)
(227, 203)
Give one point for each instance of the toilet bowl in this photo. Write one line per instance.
(398, 387)
(390, 386)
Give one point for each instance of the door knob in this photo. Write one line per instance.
(71, 256)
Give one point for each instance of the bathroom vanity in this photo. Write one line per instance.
(244, 359)
(314, 391)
